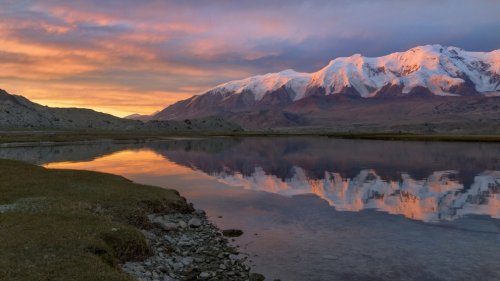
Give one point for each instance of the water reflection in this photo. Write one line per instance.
(421, 181)
(438, 197)
(300, 236)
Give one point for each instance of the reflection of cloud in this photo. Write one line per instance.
(127, 162)
(133, 45)
(438, 197)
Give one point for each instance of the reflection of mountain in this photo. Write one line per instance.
(279, 156)
(87, 151)
(438, 197)
(424, 181)
(66, 152)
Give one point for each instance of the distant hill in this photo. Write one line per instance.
(429, 88)
(142, 117)
(19, 113)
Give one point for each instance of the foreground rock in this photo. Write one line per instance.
(188, 247)
(232, 232)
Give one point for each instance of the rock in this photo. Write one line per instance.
(167, 225)
(199, 212)
(182, 224)
(232, 232)
(177, 266)
(169, 239)
(257, 277)
(330, 257)
(186, 261)
(194, 223)
(148, 235)
(231, 250)
(162, 269)
(204, 275)
(196, 250)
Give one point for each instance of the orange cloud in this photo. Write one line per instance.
(116, 51)
(103, 98)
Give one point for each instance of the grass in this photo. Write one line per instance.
(61, 136)
(375, 136)
(69, 136)
(420, 137)
(73, 225)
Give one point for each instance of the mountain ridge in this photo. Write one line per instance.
(399, 68)
(19, 113)
(424, 74)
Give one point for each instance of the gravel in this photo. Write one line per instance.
(195, 250)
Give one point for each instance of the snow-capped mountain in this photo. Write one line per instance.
(440, 70)
(431, 70)
(426, 89)
(260, 85)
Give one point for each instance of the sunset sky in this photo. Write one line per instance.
(128, 56)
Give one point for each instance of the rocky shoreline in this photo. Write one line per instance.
(189, 247)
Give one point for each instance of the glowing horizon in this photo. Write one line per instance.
(125, 57)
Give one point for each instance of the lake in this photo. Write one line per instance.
(321, 208)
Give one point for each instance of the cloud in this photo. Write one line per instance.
(116, 51)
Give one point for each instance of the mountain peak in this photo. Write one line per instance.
(289, 72)
(442, 70)
(425, 71)
(260, 85)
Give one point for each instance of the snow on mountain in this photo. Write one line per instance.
(261, 84)
(403, 91)
(442, 70)
(437, 197)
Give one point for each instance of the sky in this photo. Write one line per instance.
(128, 56)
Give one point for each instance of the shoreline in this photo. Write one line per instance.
(16, 139)
(82, 225)
(189, 247)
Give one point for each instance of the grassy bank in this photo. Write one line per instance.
(419, 137)
(70, 136)
(67, 136)
(376, 136)
(73, 225)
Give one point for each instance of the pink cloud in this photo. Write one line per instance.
(174, 49)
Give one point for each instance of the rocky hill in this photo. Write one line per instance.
(19, 113)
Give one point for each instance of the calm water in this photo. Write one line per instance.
(325, 209)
